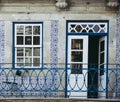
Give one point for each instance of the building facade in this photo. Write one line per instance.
(75, 35)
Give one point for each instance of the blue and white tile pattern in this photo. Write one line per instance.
(2, 41)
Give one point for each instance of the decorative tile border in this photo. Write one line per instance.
(54, 44)
(2, 40)
(118, 55)
(118, 40)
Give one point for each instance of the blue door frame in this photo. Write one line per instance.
(88, 34)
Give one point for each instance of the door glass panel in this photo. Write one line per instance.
(101, 58)
(76, 68)
(77, 56)
(102, 44)
(102, 69)
(102, 55)
(77, 44)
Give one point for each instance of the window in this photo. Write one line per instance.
(27, 44)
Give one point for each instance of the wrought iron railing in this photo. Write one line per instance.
(58, 81)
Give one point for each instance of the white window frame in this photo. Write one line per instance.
(24, 46)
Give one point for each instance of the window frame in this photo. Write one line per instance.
(15, 45)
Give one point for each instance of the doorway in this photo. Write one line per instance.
(86, 54)
(93, 56)
(87, 59)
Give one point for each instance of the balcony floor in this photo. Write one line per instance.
(56, 100)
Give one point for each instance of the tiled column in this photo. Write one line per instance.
(1, 43)
(54, 44)
(118, 57)
(54, 54)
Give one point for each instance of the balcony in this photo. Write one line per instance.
(56, 81)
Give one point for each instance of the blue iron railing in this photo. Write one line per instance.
(59, 82)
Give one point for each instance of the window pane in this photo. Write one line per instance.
(77, 56)
(78, 28)
(36, 51)
(19, 40)
(77, 44)
(28, 40)
(20, 52)
(20, 62)
(28, 61)
(28, 30)
(36, 40)
(76, 68)
(28, 51)
(36, 30)
(36, 62)
(20, 30)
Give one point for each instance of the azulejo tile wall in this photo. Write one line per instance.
(2, 40)
(54, 44)
(54, 50)
(118, 56)
(118, 40)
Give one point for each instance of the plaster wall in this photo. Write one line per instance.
(61, 18)
(46, 12)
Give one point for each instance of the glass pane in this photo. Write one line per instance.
(84, 25)
(20, 62)
(76, 68)
(73, 25)
(36, 30)
(36, 40)
(36, 51)
(96, 28)
(28, 61)
(102, 69)
(20, 30)
(20, 52)
(36, 62)
(19, 40)
(28, 40)
(78, 28)
(102, 45)
(28, 51)
(28, 30)
(101, 58)
(77, 56)
(77, 44)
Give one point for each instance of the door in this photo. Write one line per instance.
(77, 66)
(102, 67)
